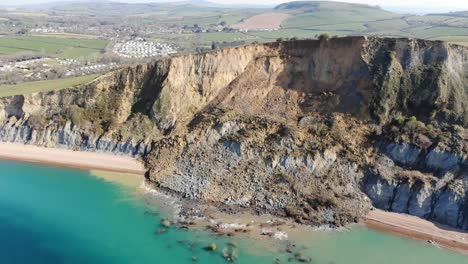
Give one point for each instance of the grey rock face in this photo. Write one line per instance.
(403, 153)
(445, 161)
(69, 137)
(439, 194)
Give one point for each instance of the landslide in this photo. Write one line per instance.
(305, 129)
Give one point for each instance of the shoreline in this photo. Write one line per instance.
(398, 224)
(418, 229)
(70, 159)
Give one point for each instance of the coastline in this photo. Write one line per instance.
(398, 224)
(418, 229)
(70, 159)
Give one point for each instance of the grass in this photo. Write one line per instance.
(443, 31)
(9, 50)
(331, 13)
(460, 40)
(205, 21)
(52, 46)
(390, 24)
(66, 35)
(42, 86)
(359, 26)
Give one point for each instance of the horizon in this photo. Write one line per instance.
(400, 6)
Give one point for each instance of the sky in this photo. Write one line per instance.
(433, 5)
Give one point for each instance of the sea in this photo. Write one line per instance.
(59, 215)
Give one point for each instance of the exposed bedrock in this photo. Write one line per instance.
(430, 184)
(306, 129)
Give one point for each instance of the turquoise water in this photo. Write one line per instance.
(57, 215)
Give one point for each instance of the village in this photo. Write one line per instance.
(140, 48)
(26, 67)
(45, 68)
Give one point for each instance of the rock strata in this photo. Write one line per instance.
(318, 131)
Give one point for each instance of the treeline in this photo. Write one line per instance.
(221, 45)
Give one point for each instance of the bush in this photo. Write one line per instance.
(138, 127)
(444, 137)
(324, 36)
(399, 120)
(324, 200)
(37, 121)
(293, 211)
(285, 177)
(415, 126)
(431, 131)
(459, 129)
(76, 115)
(321, 129)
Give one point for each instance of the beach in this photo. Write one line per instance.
(72, 159)
(399, 224)
(416, 228)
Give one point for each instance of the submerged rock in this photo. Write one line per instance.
(166, 223)
(288, 128)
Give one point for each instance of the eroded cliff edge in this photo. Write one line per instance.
(305, 129)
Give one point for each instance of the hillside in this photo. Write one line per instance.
(198, 24)
(312, 130)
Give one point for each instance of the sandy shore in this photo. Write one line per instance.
(399, 224)
(417, 228)
(70, 158)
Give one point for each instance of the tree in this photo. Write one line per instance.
(22, 32)
(323, 36)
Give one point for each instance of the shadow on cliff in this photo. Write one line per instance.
(151, 87)
(329, 75)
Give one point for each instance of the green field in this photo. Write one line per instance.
(52, 46)
(65, 35)
(460, 40)
(204, 21)
(309, 19)
(42, 86)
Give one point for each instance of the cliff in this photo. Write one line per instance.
(306, 129)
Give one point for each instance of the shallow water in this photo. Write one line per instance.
(57, 215)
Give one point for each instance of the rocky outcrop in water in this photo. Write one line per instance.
(314, 130)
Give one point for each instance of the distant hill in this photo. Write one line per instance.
(457, 14)
(45, 5)
(219, 23)
(298, 5)
(310, 6)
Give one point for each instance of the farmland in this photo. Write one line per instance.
(41, 86)
(52, 46)
(194, 27)
(460, 40)
(267, 21)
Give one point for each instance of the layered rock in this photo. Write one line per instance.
(69, 137)
(296, 128)
(432, 185)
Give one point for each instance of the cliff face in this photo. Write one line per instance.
(429, 184)
(303, 129)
